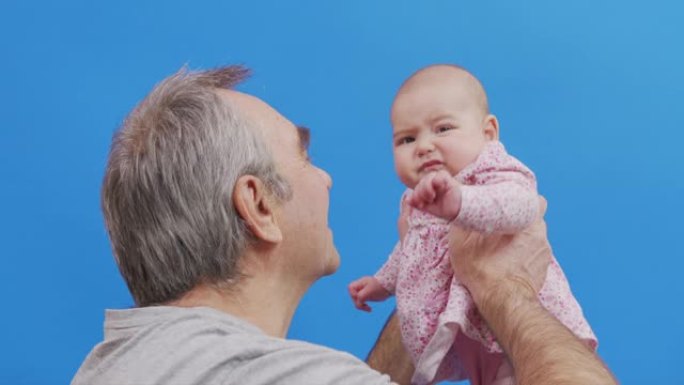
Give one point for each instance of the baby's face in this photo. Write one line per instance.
(437, 124)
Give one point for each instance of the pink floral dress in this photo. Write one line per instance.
(435, 311)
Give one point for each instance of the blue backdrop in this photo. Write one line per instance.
(589, 94)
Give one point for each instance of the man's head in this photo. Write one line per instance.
(169, 190)
(299, 227)
(440, 120)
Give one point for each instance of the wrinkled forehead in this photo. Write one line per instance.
(253, 109)
(276, 129)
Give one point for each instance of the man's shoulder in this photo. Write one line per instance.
(206, 347)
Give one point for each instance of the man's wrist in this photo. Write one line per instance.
(504, 304)
(541, 349)
(389, 355)
(495, 293)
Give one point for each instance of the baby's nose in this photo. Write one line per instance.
(424, 146)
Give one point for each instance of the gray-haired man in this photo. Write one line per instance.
(219, 226)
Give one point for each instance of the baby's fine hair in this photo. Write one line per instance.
(470, 81)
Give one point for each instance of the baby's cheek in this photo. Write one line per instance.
(464, 156)
(458, 162)
(405, 174)
(408, 180)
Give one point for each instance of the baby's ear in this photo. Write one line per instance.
(491, 127)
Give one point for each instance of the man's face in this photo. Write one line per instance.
(307, 239)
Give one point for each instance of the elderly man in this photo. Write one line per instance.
(218, 223)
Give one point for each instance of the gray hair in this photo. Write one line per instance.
(167, 189)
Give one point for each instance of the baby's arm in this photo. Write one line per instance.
(502, 197)
(381, 286)
(367, 289)
(505, 202)
(402, 223)
(439, 194)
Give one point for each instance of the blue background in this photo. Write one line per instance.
(589, 94)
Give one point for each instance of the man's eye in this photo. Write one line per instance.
(406, 140)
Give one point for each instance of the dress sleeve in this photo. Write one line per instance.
(499, 193)
(387, 275)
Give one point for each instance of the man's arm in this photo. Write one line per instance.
(503, 274)
(389, 355)
(542, 350)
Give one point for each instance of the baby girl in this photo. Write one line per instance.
(446, 144)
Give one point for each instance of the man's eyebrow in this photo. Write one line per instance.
(304, 137)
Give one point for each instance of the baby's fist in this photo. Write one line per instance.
(367, 289)
(439, 194)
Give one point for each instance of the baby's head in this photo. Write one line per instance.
(440, 120)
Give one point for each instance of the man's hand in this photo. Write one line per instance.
(439, 194)
(481, 261)
(504, 273)
(367, 289)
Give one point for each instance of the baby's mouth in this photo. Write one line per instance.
(430, 165)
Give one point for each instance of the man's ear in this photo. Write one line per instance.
(491, 127)
(256, 207)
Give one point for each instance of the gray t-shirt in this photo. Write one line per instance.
(201, 346)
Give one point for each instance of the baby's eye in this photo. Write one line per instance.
(444, 128)
(405, 140)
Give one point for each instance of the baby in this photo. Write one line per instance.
(446, 145)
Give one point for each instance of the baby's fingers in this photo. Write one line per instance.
(361, 299)
(364, 293)
(440, 181)
(427, 194)
(358, 303)
(357, 285)
(425, 190)
(414, 200)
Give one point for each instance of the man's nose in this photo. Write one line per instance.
(326, 177)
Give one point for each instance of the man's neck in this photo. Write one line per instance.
(263, 301)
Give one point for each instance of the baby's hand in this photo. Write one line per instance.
(439, 194)
(367, 289)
